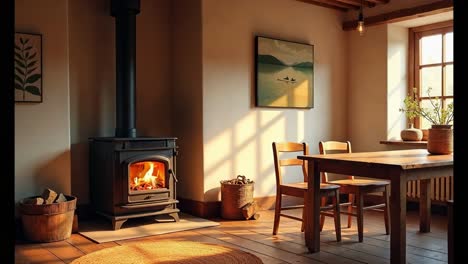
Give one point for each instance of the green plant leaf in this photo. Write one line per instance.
(20, 63)
(18, 86)
(31, 70)
(32, 56)
(18, 78)
(28, 48)
(18, 56)
(20, 71)
(31, 64)
(33, 89)
(16, 47)
(33, 78)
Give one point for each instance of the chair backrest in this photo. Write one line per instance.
(330, 147)
(300, 148)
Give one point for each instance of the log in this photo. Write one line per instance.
(49, 196)
(249, 210)
(60, 198)
(35, 200)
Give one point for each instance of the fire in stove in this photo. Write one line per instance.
(147, 175)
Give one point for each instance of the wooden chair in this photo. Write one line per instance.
(356, 189)
(299, 189)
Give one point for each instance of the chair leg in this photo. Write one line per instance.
(387, 210)
(303, 220)
(360, 214)
(350, 209)
(277, 213)
(322, 217)
(336, 202)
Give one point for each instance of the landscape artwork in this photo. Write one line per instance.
(284, 73)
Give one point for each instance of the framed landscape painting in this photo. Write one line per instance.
(284, 73)
(28, 68)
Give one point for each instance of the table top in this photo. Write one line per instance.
(406, 159)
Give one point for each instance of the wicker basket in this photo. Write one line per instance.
(233, 198)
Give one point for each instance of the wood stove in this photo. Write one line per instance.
(133, 177)
(130, 176)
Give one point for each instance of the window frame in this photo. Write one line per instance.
(414, 53)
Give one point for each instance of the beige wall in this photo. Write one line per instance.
(92, 77)
(237, 136)
(187, 96)
(42, 131)
(367, 69)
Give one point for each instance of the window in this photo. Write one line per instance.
(431, 64)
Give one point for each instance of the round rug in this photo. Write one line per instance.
(169, 252)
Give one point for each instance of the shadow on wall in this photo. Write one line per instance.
(79, 171)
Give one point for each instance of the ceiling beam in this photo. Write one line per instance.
(403, 14)
(323, 3)
(379, 1)
(357, 3)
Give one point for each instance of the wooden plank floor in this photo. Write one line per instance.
(288, 246)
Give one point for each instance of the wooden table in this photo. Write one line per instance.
(398, 166)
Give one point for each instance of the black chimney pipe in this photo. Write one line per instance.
(125, 12)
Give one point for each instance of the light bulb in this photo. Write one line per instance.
(360, 27)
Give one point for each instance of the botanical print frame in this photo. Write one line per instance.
(28, 67)
(284, 73)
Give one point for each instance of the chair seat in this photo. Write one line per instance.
(360, 182)
(303, 185)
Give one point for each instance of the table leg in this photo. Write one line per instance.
(312, 205)
(398, 220)
(425, 206)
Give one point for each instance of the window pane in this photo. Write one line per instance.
(431, 49)
(429, 108)
(449, 47)
(449, 80)
(431, 77)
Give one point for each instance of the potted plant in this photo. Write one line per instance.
(440, 139)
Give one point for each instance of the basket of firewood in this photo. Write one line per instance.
(48, 217)
(237, 198)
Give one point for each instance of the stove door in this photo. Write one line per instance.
(148, 179)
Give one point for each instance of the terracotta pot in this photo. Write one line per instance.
(440, 140)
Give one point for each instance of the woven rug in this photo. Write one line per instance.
(169, 252)
(100, 230)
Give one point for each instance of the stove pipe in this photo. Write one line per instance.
(125, 12)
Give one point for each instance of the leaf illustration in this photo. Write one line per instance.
(27, 55)
(20, 63)
(18, 78)
(33, 78)
(17, 55)
(21, 40)
(19, 70)
(33, 89)
(18, 86)
(28, 48)
(26, 41)
(16, 47)
(31, 70)
(31, 64)
(31, 56)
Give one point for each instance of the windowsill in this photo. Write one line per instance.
(405, 143)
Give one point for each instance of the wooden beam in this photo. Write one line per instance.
(326, 3)
(357, 3)
(403, 14)
(378, 1)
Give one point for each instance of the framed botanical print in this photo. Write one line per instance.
(28, 68)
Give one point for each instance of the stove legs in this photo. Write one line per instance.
(117, 224)
(175, 216)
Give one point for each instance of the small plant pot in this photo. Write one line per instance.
(440, 140)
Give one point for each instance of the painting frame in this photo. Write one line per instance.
(28, 68)
(284, 73)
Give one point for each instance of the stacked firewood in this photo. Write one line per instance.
(48, 196)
